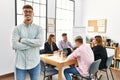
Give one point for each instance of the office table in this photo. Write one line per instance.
(57, 61)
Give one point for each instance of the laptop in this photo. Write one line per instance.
(67, 51)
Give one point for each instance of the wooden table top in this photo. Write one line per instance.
(58, 61)
(50, 59)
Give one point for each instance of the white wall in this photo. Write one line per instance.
(79, 29)
(78, 13)
(104, 9)
(7, 21)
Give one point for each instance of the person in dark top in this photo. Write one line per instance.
(99, 51)
(50, 46)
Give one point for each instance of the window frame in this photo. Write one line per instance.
(56, 14)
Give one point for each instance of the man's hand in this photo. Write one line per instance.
(19, 40)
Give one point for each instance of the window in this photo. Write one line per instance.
(64, 18)
(39, 12)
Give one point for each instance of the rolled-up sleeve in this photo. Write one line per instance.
(38, 41)
(15, 41)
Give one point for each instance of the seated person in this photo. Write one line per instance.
(99, 51)
(65, 44)
(84, 56)
(50, 46)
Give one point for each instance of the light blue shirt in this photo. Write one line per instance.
(62, 45)
(27, 51)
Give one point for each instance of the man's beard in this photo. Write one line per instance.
(28, 19)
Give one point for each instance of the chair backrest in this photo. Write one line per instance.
(109, 61)
(42, 51)
(94, 67)
(43, 66)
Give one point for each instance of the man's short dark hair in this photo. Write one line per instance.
(79, 39)
(27, 7)
(64, 34)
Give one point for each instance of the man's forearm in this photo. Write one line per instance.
(31, 42)
(20, 46)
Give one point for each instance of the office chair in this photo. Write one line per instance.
(93, 70)
(108, 64)
(47, 71)
(42, 51)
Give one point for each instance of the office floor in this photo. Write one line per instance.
(104, 77)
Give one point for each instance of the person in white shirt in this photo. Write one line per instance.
(27, 38)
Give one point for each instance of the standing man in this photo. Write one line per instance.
(63, 44)
(26, 41)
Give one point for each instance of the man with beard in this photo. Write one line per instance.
(26, 41)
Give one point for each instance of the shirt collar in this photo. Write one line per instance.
(81, 45)
(27, 25)
(64, 42)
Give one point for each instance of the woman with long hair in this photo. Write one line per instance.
(99, 51)
(50, 46)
